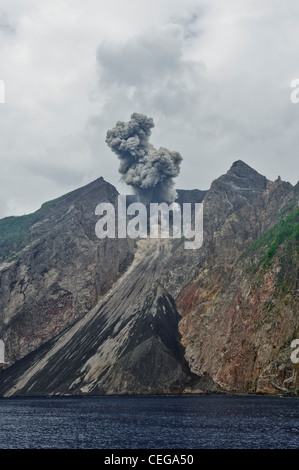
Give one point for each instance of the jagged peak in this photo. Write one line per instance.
(240, 185)
(88, 191)
(240, 176)
(243, 170)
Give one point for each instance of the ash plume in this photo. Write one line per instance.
(148, 170)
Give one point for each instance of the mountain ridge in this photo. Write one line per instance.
(62, 279)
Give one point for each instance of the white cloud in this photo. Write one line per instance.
(215, 76)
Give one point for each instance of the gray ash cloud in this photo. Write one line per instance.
(148, 170)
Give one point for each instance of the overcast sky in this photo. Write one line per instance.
(214, 75)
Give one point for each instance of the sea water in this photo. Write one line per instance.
(150, 422)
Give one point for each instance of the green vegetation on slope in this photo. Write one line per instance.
(287, 230)
(16, 229)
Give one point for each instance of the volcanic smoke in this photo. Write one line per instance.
(148, 170)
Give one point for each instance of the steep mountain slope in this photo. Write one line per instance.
(128, 342)
(80, 316)
(54, 268)
(240, 312)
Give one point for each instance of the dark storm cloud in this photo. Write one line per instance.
(59, 106)
(141, 60)
(152, 70)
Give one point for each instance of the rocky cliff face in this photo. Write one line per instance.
(127, 342)
(80, 316)
(55, 269)
(240, 311)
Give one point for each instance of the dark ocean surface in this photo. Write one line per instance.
(151, 422)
